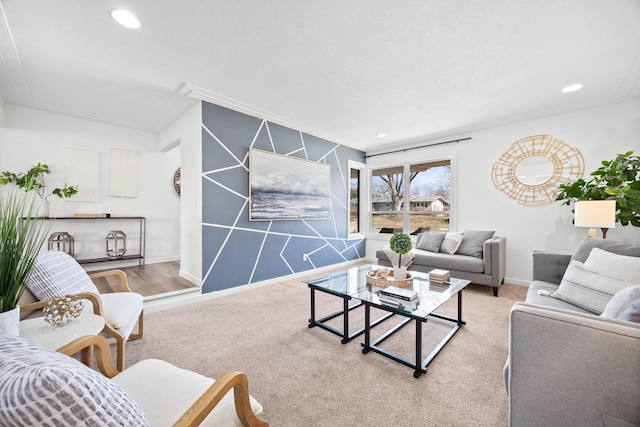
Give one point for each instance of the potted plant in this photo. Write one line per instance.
(617, 179)
(400, 243)
(21, 238)
(33, 180)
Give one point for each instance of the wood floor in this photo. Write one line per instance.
(148, 280)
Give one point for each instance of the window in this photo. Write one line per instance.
(355, 197)
(411, 198)
(354, 201)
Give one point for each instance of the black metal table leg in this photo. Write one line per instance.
(418, 371)
(312, 319)
(367, 329)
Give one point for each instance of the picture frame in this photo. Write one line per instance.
(287, 188)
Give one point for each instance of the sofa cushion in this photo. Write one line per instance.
(56, 274)
(447, 262)
(430, 241)
(544, 299)
(451, 243)
(587, 289)
(473, 242)
(621, 301)
(43, 387)
(584, 249)
(621, 267)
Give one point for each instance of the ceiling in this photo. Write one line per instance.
(416, 70)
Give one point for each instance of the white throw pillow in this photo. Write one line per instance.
(56, 274)
(588, 289)
(44, 387)
(621, 301)
(621, 267)
(451, 243)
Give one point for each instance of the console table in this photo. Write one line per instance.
(142, 228)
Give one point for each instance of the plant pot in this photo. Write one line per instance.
(400, 273)
(10, 321)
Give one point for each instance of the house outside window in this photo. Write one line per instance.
(411, 198)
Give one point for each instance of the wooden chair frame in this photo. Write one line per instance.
(206, 402)
(97, 309)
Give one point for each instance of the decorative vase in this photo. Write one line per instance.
(10, 321)
(400, 273)
(43, 209)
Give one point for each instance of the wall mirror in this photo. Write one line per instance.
(531, 170)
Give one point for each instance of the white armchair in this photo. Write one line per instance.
(40, 386)
(56, 274)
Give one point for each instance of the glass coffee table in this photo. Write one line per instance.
(352, 284)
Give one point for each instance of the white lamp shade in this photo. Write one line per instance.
(595, 213)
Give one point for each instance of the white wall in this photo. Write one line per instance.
(32, 136)
(188, 133)
(599, 133)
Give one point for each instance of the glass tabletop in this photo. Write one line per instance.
(353, 282)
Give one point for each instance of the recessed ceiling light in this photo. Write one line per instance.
(126, 19)
(572, 88)
(381, 135)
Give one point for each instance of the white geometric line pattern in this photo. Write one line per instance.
(236, 251)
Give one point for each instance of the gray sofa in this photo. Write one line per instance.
(567, 366)
(488, 269)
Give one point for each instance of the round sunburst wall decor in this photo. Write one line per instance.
(177, 181)
(531, 170)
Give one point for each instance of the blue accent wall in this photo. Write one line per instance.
(236, 251)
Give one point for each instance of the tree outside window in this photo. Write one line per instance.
(425, 207)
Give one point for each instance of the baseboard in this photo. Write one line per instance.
(189, 296)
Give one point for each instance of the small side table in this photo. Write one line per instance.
(56, 336)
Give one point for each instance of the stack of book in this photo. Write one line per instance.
(439, 277)
(402, 298)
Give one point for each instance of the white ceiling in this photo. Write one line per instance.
(343, 70)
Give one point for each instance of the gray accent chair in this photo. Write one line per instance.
(566, 366)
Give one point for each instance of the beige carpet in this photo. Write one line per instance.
(306, 377)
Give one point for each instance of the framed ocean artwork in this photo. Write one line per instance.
(287, 188)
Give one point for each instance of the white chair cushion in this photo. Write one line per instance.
(165, 392)
(56, 274)
(121, 310)
(43, 387)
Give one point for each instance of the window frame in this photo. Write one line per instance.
(362, 200)
(406, 206)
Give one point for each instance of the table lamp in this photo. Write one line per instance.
(595, 213)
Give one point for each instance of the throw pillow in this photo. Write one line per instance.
(56, 274)
(587, 289)
(621, 267)
(473, 242)
(451, 243)
(621, 301)
(430, 241)
(585, 247)
(44, 387)
(631, 314)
